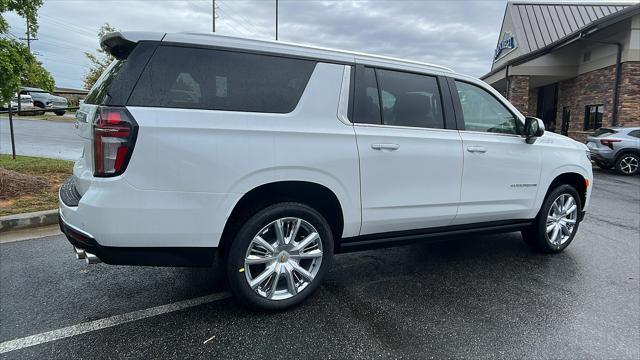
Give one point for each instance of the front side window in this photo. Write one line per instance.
(208, 79)
(484, 113)
(593, 117)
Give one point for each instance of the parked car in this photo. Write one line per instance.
(616, 147)
(26, 103)
(268, 158)
(45, 101)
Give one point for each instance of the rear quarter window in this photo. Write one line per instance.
(99, 92)
(193, 78)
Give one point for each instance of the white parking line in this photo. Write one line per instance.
(100, 324)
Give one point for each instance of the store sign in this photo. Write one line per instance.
(508, 41)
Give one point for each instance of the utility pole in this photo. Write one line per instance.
(28, 38)
(276, 19)
(214, 14)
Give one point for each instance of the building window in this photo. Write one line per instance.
(593, 117)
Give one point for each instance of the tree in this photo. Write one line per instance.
(27, 9)
(100, 61)
(18, 66)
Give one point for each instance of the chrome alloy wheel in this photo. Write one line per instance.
(561, 219)
(283, 258)
(629, 164)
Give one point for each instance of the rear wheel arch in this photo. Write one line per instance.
(317, 196)
(624, 152)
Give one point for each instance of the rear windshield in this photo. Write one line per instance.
(98, 93)
(604, 131)
(194, 78)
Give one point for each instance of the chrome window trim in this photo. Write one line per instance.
(491, 133)
(343, 101)
(402, 127)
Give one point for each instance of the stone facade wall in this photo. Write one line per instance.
(519, 93)
(629, 103)
(596, 87)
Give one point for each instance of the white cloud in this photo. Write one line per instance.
(457, 34)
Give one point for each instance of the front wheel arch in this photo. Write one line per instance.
(575, 180)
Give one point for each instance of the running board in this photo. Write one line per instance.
(430, 234)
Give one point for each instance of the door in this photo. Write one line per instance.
(501, 171)
(410, 165)
(547, 106)
(566, 117)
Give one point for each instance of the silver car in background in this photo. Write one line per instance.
(616, 147)
(46, 101)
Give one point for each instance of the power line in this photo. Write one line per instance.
(244, 29)
(76, 29)
(235, 11)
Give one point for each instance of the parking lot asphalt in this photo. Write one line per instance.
(50, 139)
(477, 297)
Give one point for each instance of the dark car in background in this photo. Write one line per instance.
(616, 147)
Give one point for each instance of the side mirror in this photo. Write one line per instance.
(533, 129)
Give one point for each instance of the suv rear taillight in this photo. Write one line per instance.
(114, 135)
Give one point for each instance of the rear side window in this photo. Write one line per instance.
(193, 78)
(367, 105)
(410, 100)
(635, 133)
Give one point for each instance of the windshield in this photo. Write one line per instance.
(98, 93)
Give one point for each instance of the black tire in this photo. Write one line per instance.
(628, 164)
(536, 235)
(602, 165)
(59, 113)
(235, 261)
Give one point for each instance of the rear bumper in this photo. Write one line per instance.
(144, 256)
(71, 224)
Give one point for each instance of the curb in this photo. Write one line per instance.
(28, 220)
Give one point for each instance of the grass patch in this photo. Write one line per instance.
(29, 173)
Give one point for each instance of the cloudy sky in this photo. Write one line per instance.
(454, 33)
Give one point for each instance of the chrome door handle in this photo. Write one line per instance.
(477, 149)
(390, 147)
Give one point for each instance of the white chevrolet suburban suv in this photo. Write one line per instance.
(267, 158)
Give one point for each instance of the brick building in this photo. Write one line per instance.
(563, 62)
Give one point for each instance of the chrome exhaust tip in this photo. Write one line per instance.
(91, 259)
(80, 254)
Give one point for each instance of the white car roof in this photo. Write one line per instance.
(276, 47)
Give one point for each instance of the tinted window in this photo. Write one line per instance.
(221, 80)
(367, 104)
(593, 117)
(483, 112)
(635, 133)
(410, 100)
(98, 92)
